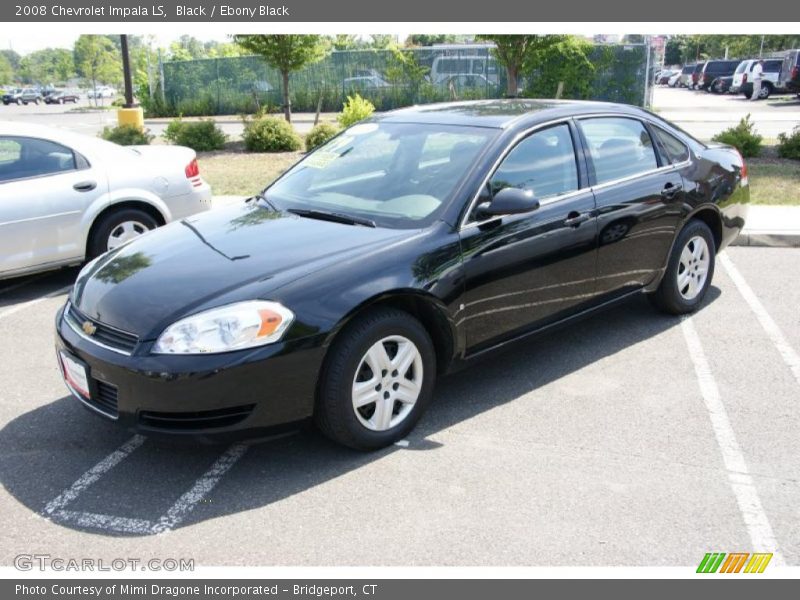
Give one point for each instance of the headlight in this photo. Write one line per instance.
(232, 327)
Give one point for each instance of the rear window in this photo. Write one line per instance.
(620, 147)
(742, 67)
(688, 69)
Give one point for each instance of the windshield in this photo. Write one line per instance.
(397, 175)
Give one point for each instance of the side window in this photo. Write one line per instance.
(21, 158)
(672, 147)
(543, 162)
(619, 147)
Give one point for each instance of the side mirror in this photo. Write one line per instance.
(508, 201)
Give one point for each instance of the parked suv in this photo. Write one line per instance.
(22, 96)
(790, 72)
(713, 69)
(770, 78)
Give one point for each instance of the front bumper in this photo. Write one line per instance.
(204, 395)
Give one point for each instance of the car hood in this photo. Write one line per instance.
(222, 256)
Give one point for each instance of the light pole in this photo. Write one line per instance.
(130, 113)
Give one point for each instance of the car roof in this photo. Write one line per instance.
(502, 114)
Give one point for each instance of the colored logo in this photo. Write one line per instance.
(735, 562)
(88, 328)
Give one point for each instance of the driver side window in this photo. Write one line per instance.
(544, 163)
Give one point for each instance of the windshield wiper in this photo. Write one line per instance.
(331, 216)
(261, 198)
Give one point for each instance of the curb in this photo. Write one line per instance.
(767, 239)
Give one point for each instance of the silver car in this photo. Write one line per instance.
(65, 197)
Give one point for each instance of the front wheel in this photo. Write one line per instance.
(377, 380)
(689, 271)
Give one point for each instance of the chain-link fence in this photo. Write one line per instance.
(391, 79)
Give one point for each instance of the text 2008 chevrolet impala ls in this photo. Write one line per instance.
(402, 249)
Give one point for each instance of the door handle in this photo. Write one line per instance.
(85, 186)
(671, 189)
(574, 219)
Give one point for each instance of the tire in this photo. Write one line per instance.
(766, 91)
(748, 95)
(36, 101)
(348, 364)
(110, 224)
(675, 295)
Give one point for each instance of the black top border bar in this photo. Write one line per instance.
(425, 11)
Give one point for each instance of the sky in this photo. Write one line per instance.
(24, 43)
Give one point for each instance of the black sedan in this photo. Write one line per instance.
(405, 248)
(61, 97)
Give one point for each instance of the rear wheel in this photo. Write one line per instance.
(766, 90)
(377, 380)
(689, 271)
(117, 228)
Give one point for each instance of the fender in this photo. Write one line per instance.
(447, 349)
(653, 285)
(118, 196)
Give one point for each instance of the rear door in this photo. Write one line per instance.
(639, 198)
(44, 189)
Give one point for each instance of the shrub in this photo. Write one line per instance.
(789, 144)
(270, 134)
(743, 137)
(127, 135)
(320, 134)
(201, 136)
(355, 109)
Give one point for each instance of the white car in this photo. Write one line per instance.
(66, 198)
(102, 91)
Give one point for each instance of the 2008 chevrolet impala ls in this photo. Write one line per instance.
(402, 249)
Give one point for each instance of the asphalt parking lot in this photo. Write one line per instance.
(704, 115)
(630, 438)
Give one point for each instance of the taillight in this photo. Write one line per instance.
(743, 171)
(744, 78)
(192, 169)
(795, 72)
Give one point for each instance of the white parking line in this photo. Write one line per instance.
(186, 503)
(93, 474)
(108, 522)
(15, 309)
(744, 489)
(788, 354)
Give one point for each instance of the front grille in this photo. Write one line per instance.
(104, 397)
(103, 334)
(189, 421)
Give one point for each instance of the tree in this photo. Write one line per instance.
(423, 39)
(6, 71)
(47, 66)
(287, 53)
(515, 53)
(12, 57)
(564, 62)
(381, 41)
(187, 47)
(97, 59)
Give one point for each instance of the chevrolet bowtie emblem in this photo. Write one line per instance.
(88, 328)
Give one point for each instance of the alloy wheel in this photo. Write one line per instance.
(693, 267)
(387, 383)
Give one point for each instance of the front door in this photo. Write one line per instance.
(523, 271)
